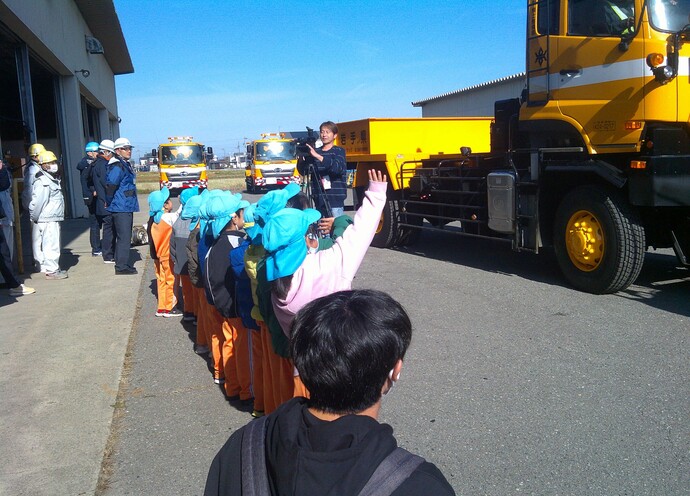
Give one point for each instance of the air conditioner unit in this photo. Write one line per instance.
(93, 46)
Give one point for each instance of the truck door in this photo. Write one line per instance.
(597, 71)
(667, 18)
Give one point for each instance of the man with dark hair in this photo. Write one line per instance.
(348, 348)
(329, 187)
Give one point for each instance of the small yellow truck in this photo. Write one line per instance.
(182, 163)
(271, 161)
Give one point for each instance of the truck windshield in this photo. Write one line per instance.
(182, 155)
(669, 15)
(275, 150)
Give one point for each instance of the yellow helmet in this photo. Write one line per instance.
(46, 156)
(36, 149)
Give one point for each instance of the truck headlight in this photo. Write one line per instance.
(663, 74)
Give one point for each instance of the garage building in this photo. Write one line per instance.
(58, 62)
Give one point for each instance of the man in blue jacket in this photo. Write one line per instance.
(121, 198)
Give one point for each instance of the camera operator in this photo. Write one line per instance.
(329, 173)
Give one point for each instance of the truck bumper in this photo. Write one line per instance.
(180, 185)
(275, 181)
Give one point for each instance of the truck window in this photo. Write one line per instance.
(278, 150)
(547, 16)
(182, 155)
(600, 17)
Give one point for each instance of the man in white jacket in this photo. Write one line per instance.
(46, 211)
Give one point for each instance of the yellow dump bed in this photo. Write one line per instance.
(389, 143)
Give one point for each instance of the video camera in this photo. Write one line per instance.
(304, 157)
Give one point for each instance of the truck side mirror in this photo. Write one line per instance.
(209, 150)
(154, 152)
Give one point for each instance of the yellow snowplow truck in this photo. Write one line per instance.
(271, 161)
(593, 159)
(396, 146)
(182, 163)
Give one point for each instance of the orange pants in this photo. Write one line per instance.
(165, 279)
(188, 294)
(201, 317)
(257, 368)
(215, 337)
(267, 371)
(237, 358)
(279, 381)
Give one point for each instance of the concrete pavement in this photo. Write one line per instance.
(62, 351)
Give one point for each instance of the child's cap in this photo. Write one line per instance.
(191, 210)
(157, 199)
(188, 193)
(283, 238)
(204, 214)
(273, 201)
(220, 210)
(251, 227)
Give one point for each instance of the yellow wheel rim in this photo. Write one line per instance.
(584, 240)
(380, 226)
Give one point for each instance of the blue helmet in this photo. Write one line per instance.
(92, 146)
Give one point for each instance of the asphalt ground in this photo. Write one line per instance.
(514, 382)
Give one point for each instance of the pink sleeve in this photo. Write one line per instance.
(356, 239)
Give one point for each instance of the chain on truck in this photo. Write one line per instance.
(271, 161)
(182, 163)
(593, 159)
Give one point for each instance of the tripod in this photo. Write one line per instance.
(317, 190)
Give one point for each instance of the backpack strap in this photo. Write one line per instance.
(391, 473)
(253, 461)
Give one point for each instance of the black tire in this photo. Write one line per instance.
(251, 186)
(408, 235)
(388, 226)
(599, 240)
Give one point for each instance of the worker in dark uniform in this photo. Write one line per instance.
(85, 168)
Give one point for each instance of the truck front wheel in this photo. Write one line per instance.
(251, 186)
(408, 235)
(599, 240)
(387, 229)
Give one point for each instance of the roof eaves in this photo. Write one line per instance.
(104, 23)
(520, 75)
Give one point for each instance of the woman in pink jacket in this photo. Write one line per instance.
(299, 273)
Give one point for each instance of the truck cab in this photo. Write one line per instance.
(271, 161)
(182, 163)
(592, 159)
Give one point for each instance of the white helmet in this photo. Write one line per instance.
(107, 145)
(121, 143)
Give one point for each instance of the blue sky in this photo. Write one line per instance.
(224, 70)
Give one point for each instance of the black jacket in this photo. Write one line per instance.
(219, 279)
(308, 456)
(85, 168)
(334, 169)
(99, 169)
(5, 184)
(193, 258)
